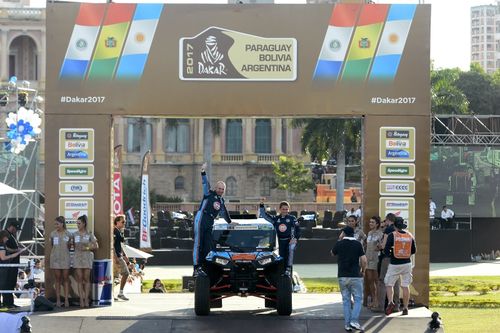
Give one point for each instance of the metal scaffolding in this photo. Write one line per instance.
(19, 171)
(464, 130)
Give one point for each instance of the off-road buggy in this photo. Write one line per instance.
(244, 262)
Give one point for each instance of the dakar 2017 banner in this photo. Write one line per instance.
(344, 58)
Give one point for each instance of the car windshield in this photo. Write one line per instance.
(240, 240)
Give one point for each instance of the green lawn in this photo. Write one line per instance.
(466, 320)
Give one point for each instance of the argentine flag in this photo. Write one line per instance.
(392, 42)
(139, 40)
(82, 41)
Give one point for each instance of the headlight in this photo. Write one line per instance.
(265, 261)
(221, 261)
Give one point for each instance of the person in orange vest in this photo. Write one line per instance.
(400, 246)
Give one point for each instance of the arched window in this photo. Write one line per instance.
(177, 136)
(231, 187)
(265, 186)
(135, 129)
(23, 58)
(263, 136)
(179, 183)
(234, 133)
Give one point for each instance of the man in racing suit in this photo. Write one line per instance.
(211, 206)
(288, 232)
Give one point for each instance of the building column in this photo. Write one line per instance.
(222, 135)
(158, 138)
(248, 135)
(4, 57)
(42, 57)
(277, 136)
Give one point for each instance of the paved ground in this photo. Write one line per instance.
(174, 313)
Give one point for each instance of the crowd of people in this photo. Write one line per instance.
(373, 268)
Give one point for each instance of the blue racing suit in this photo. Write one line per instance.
(211, 206)
(287, 228)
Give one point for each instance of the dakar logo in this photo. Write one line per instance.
(216, 205)
(211, 58)
(282, 227)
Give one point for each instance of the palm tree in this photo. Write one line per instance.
(324, 138)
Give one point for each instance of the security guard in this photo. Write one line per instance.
(211, 206)
(288, 232)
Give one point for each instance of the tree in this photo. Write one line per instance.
(478, 87)
(132, 193)
(292, 176)
(446, 97)
(324, 138)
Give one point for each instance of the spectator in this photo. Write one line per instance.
(85, 244)
(359, 235)
(373, 245)
(61, 240)
(447, 216)
(432, 209)
(22, 279)
(357, 212)
(384, 264)
(5, 259)
(11, 246)
(37, 267)
(121, 259)
(158, 287)
(400, 247)
(351, 267)
(353, 197)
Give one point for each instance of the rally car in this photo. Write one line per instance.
(244, 262)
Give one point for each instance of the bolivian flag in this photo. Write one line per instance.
(138, 43)
(364, 42)
(111, 40)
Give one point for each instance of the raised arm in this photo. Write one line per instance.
(204, 180)
(264, 214)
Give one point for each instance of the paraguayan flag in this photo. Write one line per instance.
(82, 41)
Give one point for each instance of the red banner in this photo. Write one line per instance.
(117, 182)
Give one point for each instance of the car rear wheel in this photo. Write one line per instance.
(202, 296)
(284, 296)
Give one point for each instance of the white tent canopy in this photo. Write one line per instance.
(6, 189)
(132, 252)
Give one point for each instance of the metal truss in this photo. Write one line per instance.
(464, 130)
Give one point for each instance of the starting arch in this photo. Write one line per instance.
(233, 61)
